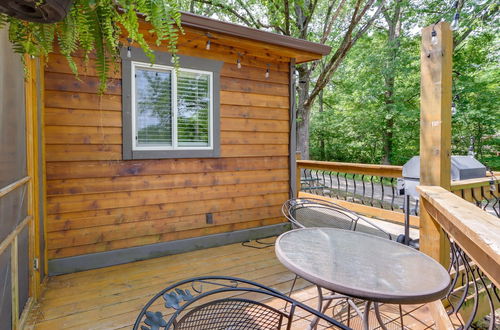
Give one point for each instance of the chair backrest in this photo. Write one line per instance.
(220, 302)
(310, 212)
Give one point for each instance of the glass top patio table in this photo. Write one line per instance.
(362, 265)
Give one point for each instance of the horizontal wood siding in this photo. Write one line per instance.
(98, 202)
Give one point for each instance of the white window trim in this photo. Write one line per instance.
(164, 68)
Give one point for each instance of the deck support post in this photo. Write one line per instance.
(435, 129)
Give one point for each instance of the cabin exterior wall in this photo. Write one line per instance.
(98, 202)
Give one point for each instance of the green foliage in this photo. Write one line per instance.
(95, 27)
(351, 126)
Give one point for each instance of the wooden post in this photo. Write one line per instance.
(435, 129)
(298, 156)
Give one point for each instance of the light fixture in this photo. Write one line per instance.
(454, 24)
(129, 49)
(267, 71)
(492, 185)
(434, 38)
(238, 61)
(453, 109)
(207, 47)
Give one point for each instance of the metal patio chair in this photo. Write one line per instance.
(313, 212)
(225, 303)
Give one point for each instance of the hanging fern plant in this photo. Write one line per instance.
(95, 27)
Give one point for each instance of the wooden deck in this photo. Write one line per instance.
(111, 298)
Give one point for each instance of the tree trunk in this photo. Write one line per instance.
(393, 44)
(303, 113)
(322, 151)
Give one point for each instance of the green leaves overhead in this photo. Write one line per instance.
(96, 28)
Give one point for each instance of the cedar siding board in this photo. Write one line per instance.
(96, 201)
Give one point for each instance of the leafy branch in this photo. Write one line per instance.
(96, 28)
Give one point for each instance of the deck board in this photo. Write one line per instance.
(111, 297)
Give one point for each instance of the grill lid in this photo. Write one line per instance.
(462, 168)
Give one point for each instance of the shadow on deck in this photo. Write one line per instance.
(111, 298)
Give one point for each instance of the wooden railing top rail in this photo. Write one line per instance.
(473, 183)
(474, 230)
(388, 171)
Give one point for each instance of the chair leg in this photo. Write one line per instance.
(291, 290)
(401, 317)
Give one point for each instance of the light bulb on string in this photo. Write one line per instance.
(267, 71)
(453, 109)
(454, 24)
(492, 185)
(129, 49)
(207, 47)
(434, 38)
(238, 61)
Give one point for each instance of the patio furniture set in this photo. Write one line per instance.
(335, 249)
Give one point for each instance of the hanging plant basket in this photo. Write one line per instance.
(48, 11)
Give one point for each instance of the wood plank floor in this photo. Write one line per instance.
(111, 298)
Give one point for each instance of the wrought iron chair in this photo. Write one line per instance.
(224, 303)
(312, 212)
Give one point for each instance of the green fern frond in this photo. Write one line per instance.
(95, 27)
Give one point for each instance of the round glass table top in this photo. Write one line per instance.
(362, 265)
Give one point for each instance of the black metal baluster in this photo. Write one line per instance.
(354, 193)
(478, 203)
(338, 186)
(324, 183)
(373, 189)
(393, 194)
(364, 189)
(331, 184)
(346, 186)
(382, 186)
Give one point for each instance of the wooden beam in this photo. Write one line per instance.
(477, 232)
(13, 186)
(435, 129)
(387, 171)
(14, 278)
(32, 164)
(441, 318)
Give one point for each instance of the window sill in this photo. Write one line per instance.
(169, 154)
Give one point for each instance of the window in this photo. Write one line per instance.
(170, 113)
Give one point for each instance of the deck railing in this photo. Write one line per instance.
(474, 237)
(366, 188)
(483, 192)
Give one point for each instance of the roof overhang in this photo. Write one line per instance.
(302, 47)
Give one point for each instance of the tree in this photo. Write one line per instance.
(337, 23)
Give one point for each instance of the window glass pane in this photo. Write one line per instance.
(153, 104)
(193, 102)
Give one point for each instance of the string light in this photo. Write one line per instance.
(454, 105)
(207, 47)
(238, 61)
(129, 49)
(493, 178)
(434, 38)
(267, 71)
(453, 109)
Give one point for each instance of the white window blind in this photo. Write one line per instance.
(193, 109)
(171, 109)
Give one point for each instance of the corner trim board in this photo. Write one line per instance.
(122, 256)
